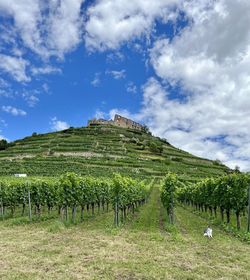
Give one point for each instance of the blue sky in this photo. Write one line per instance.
(181, 67)
(85, 84)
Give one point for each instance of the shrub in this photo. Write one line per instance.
(154, 147)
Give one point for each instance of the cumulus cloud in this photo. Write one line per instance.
(126, 19)
(100, 114)
(15, 66)
(131, 87)
(14, 111)
(200, 99)
(115, 57)
(117, 75)
(191, 126)
(3, 83)
(3, 123)
(209, 62)
(31, 99)
(5, 88)
(97, 80)
(45, 70)
(122, 112)
(58, 125)
(198, 125)
(207, 65)
(48, 28)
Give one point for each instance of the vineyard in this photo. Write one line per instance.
(77, 194)
(71, 192)
(101, 151)
(109, 228)
(227, 194)
(86, 219)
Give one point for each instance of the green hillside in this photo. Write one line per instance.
(100, 151)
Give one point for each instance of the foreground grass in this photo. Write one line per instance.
(141, 249)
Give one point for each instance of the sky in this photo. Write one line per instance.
(182, 67)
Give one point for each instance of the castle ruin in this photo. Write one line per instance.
(118, 121)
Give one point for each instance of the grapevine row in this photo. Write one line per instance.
(227, 194)
(72, 192)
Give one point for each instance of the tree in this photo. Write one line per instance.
(146, 130)
(155, 147)
(3, 144)
(237, 169)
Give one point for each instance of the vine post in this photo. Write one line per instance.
(116, 212)
(171, 210)
(2, 214)
(248, 224)
(30, 212)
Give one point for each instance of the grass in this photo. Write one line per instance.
(145, 247)
(230, 228)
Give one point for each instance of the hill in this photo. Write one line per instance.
(100, 151)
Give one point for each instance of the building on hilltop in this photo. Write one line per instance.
(118, 121)
(126, 123)
(97, 122)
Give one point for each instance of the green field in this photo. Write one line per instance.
(145, 247)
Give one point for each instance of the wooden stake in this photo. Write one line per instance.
(172, 209)
(248, 224)
(30, 212)
(116, 212)
(1, 204)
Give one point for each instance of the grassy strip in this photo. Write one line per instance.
(228, 228)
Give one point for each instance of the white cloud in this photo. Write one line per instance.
(3, 83)
(48, 28)
(3, 123)
(32, 100)
(100, 114)
(122, 112)
(131, 87)
(5, 88)
(14, 111)
(196, 125)
(115, 57)
(31, 96)
(117, 74)
(45, 87)
(45, 70)
(58, 125)
(15, 66)
(113, 22)
(210, 63)
(96, 81)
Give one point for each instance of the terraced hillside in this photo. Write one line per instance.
(100, 151)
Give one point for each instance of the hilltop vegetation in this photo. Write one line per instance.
(100, 151)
